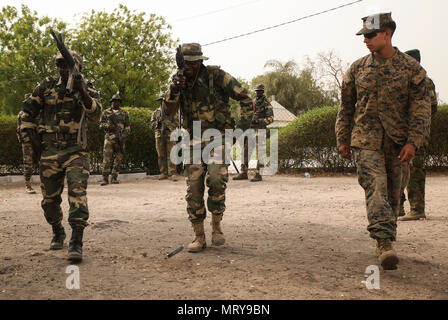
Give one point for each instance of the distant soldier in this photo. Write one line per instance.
(63, 141)
(383, 116)
(168, 124)
(29, 156)
(263, 116)
(116, 124)
(414, 178)
(202, 94)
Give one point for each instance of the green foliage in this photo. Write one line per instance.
(27, 53)
(10, 148)
(128, 52)
(140, 145)
(309, 142)
(235, 105)
(295, 89)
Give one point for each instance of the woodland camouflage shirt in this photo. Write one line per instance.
(380, 99)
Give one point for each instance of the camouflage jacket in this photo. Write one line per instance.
(432, 95)
(22, 136)
(383, 99)
(171, 122)
(263, 112)
(207, 100)
(433, 99)
(111, 118)
(60, 112)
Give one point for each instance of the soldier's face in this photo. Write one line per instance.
(192, 68)
(376, 41)
(259, 93)
(116, 104)
(63, 69)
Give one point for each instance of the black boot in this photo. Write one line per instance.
(75, 246)
(256, 178)
(57, 243)
(241, 176)
(114, 180)
(105, 180)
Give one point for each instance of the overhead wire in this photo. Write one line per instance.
(282, 24)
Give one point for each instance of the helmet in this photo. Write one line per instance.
(75, 55)
(116, 97)
(259, 87)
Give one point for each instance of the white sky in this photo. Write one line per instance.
(421, 24)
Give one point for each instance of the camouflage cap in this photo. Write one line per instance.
(375, 22)
(414, 53)
(192, 52)
(75, 55)
(116, 97)
(259, 87)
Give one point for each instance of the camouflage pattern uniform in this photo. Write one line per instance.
(163, 144)
(414, 176)
(383, 107)
(112, 156)
(263, 116)
(62, 155)
(27, 152)
(207, 100)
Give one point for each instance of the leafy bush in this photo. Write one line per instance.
(309, 142)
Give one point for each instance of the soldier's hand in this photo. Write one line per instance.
(407, 153)
(80, 84)
(179, 81)
(345, 151)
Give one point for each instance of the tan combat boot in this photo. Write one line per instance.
(163, 176)
(413, 216)
(386, 254)
(28, 188)
(241, 176)
(217, 235)
(173, 177)
(198, 243)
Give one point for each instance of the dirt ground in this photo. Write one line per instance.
(287, 238)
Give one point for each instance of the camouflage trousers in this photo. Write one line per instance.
(414, 180)
(215, 176)
(246, 153)
(163, 147)
(55, 165)
(112, 158)
(379, 174)
(28, 160)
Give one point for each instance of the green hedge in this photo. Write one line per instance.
(140, 145)
(309, 142)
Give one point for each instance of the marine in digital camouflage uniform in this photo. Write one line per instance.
(383, 116)
(62, 129)
(163, 144)
(414, 178)
(203, 95)
(115, 122)
(262, 117)
(29, 157)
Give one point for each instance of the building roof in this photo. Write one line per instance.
(281, 115)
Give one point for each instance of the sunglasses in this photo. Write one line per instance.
(372, 35)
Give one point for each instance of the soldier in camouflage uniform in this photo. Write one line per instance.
(383, 115)
(414, 178)
(63, 138)
(203, 95)
(163, 144)
(263, 116)
(29, 157)
(116, 124)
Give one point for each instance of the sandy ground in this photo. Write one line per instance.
(287, 238)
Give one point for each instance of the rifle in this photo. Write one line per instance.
(74, 72)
